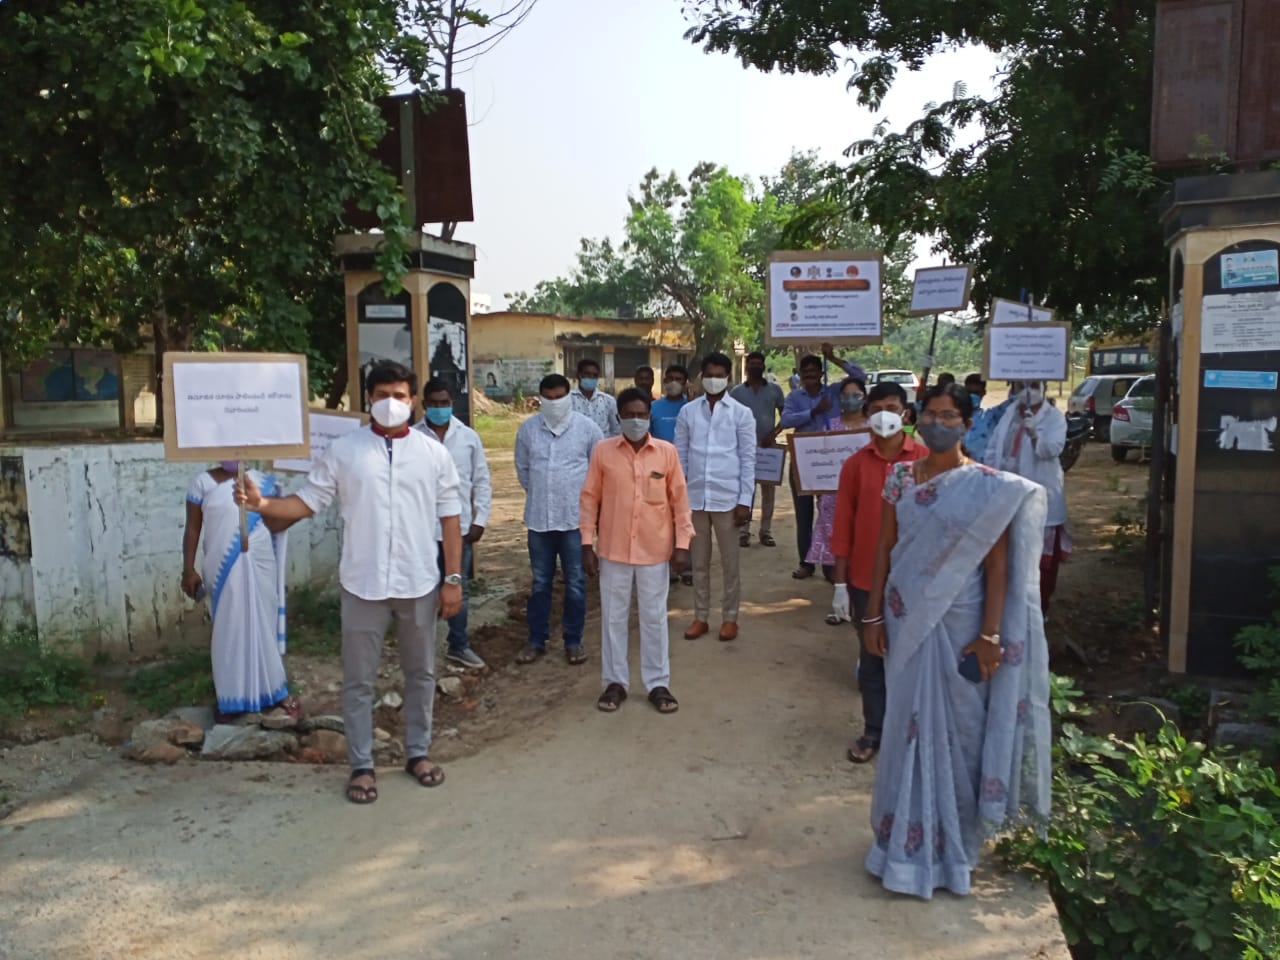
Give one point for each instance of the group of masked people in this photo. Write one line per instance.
(938, 553)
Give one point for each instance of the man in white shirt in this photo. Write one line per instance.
(553, 449)
(716, 441)
(475, 490)
(393, 485)
(600, 408)
(1028, 441)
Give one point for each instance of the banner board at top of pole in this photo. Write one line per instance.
(1026, 351)
(824, 296)
(1011, 311)
(940, 289)
(235, 406)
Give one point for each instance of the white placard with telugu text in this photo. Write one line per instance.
(228, 404)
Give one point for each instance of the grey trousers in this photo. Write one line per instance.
(721, 523)
(364, 627)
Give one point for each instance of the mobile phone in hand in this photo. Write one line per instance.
(970, 670)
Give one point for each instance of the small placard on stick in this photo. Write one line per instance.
(233, 406)
(326, 427)
(770, 465)
(816, 458)
(1011, 311)
(1027, 351)
(940, 289)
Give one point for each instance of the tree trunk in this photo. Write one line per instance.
(338, 386)
(169, 336)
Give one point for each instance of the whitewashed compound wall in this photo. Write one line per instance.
(102, 526)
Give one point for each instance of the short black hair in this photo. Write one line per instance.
(755, 355)
(436, 385)
(717, 359)
(388, 371)
(677, 368)
(862, 384)
(945, 378)
(958, 395)
(886, 389)
(553, 380)
(810, 360)
(643, 368)
(634, 393)
(974, 378)
(587, 362)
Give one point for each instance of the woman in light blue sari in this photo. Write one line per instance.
(245, 589)
(956, 588)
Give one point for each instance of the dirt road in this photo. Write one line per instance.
(732, 829)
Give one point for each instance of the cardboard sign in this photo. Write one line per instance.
(326, 427)
(235, 406)
(816, 458)
(824, 296)
(940, 289)
(1027, 351)
(1011, 311)
(770, 465)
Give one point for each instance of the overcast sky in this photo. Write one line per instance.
(575, 105)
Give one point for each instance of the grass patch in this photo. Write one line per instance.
(34, 676)
(182, 680)
(315, 622)
(498, 431)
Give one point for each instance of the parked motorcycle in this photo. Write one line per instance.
(1078, 428)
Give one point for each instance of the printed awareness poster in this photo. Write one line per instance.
(824, 297)
(1240, 322)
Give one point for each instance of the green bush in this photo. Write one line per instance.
(33, 676)
(1158, 849)
(181, 681)
(1259, 650)
(315, 622)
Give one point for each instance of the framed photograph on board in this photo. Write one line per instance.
(235, 406)
(770, 465)
(1026, 351)
(940, 289)
(326, 426)
(824, 296)
(816, 458)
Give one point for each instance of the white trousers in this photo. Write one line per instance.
(652, 584)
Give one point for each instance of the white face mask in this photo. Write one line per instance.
(557, 412)
(1031, 396)
(634, 428)
(390, 413)
(714, 386)
(885, 423)
(673, 389)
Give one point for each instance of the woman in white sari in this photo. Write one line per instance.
(956, 587)
(245, 589)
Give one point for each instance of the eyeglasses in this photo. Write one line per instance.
(942, 416)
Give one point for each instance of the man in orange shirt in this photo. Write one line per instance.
(854, 535)
(634, 519)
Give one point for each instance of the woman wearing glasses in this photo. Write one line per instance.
(955, 612)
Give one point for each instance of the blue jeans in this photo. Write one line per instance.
(458, 622)
(543, 550)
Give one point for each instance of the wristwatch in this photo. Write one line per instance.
(454, 579)
(990, 638)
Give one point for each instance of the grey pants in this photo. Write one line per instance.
(364, 626)
(704, 523)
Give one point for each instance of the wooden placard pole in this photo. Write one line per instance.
(244, 514)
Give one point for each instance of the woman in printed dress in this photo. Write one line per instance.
(852, 416)
(245, 590)
(956, 585)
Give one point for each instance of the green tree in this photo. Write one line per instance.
(1055, 195)
(180, 170)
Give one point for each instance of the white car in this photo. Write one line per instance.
(1131, 419)
(905, 378)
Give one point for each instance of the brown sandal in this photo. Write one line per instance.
(433, 776)
(662, 700)
(359, 793)
(612, 698)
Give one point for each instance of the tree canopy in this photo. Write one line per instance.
(181, 170)
(1055, 194)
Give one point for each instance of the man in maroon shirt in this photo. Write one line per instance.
(854, 536)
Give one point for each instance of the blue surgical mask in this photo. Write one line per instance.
(588, 383)
(975, 400)
(439, 416)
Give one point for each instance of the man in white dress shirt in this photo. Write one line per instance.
(600, 408)
(553, 449)
(716, 441)
(393, 485)
(475, 490)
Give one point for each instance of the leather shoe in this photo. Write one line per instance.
(728, 631)
(696, 629)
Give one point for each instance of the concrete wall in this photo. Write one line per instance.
(105, 525)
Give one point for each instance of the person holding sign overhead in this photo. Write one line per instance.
(394, 484)
(716, 440)
(245, 589)
(1028, 441)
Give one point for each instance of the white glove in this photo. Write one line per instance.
(840, 602)
(1029, 424)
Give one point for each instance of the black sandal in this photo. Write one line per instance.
(575, 655)
(358, 793)
(612, 698)
(863, 751)
(662, 700)
(431, 777)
